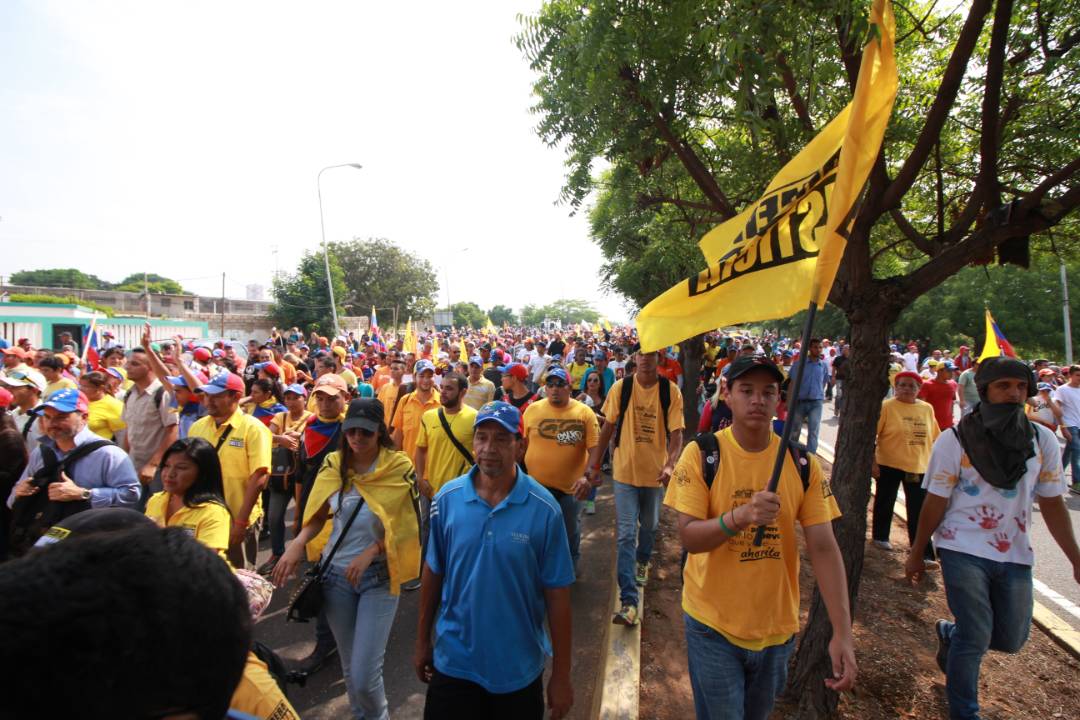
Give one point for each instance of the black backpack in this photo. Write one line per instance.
(626, 390)
(32, 515)
(710, 459)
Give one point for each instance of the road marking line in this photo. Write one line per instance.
(1063, 602)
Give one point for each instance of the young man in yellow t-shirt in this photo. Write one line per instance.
(741, 601)
(438, 460)
(559, 433)
(643, 461)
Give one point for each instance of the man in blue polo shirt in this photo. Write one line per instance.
(498, 562)
(810, 395)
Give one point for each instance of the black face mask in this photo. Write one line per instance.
(997, 438)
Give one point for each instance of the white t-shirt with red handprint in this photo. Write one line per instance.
(983, 520)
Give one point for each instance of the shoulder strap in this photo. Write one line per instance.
(801, 457)
(710, 456)
(625, 391)
(397, 401)
(457, 443)
(52, 468)
(344, 531)
(665, 401)
(158, 395)
(221, 440)
(26, 426)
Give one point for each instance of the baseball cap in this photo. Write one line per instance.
(599, 356)
(558, 372)
(16, 351)
(179, 381)
(1046, 386)
(202, 354)
(330, 384)
(515, 370)
(503, 413)
(223, 382)
(946, 365)
(753, 362)
(422, 366)
(1045, 371)
(364, 413)
(25, 378)
(476, 360)
(65, 400)
(6, 398)
(339, 351)
(298, 389)
(269, 368)
(94, 520)
(117, 372)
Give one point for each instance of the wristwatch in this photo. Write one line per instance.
(86, 493)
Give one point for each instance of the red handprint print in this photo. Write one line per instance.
(1021, 521)
(1001, 542)
(986, 516)
(948, 533)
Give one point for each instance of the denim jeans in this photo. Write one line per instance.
(571, 512)
(275, 516)
(992, 603)
(637, 511)
(361, 618)
(1070, 456)
(730, 682)
(808, 411)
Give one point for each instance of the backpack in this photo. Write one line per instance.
(32, 515)
(626, 390)
(158, 395)
(274, 665)
(710, 459)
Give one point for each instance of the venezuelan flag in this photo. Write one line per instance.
(996, 344)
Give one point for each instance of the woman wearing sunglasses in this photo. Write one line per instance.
(370, 490)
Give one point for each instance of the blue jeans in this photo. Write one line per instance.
(637, 512)
(808, 411)
(730, 682)
(360, 618)
(571, 512)
(991, 602)
(1071, 454)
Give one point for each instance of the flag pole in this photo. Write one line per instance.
(792, 405)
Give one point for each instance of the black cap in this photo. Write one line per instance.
(746, 364)
(364, 413)
(95, 520)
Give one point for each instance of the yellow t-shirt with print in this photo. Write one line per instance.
(905, 435)
(246, 450)
(258, 693)
(407, 418)
(104, 417)
(559, 442)
(577, 373)
(748, 594)
(445, 462)
(642, 450)
(61, 384)
(206, 522)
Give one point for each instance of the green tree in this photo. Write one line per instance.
(469, 314)
(379, 273)
(532, 315)
(65, 278)
(694, 106)
(302, 298)
(501, 314)
(156, 284)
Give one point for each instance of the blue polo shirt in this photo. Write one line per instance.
(495, 565)
(815, 378)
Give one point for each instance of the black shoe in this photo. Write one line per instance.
(413, 584)
(943, 642)
(314, 662)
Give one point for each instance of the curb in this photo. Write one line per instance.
(620, 672)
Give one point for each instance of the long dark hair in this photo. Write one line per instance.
(208, 486)
(273, 387)
(383, 435)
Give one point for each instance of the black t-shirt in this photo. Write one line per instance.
(840, 367)
(557, 347)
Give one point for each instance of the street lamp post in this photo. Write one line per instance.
(322, 226)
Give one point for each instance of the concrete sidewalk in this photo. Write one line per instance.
(324, 695)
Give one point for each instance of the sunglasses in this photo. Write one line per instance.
(363, 432)
(556, 383)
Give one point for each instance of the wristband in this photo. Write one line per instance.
(241, 522)
(723, 526)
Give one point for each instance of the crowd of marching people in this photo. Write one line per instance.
(462, 465)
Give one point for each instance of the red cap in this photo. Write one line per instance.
(6, 398)
(202, 354)
(908, 374)
(16, 351)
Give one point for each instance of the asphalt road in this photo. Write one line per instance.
(323, 697)
(1055, 586)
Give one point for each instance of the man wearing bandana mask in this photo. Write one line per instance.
(981, 481)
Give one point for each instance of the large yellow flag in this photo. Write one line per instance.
(783, 250)
(410, 337)
(435, 347)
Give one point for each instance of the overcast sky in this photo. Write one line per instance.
(185, 138)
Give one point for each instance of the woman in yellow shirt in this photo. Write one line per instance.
(906, 432)
(105, 410)
(194, 495)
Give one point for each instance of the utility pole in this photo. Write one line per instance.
(146, 292)
(222, 304)
(1065, 314)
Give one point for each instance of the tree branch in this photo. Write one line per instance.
(916, 238)
(693, 164)
(1034, 198)
(991, 104)
(645, 201)
(793, 92)
(939, 109)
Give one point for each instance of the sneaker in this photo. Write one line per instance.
(883, 544)
(411, 585)
(642, 575)
(1075, 487)
(268, 567)
(626, 616)
(943, 628)
(590, 507)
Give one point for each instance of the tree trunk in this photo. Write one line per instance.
(692, 351)
(864, 388)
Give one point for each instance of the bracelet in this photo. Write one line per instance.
(723, 526)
